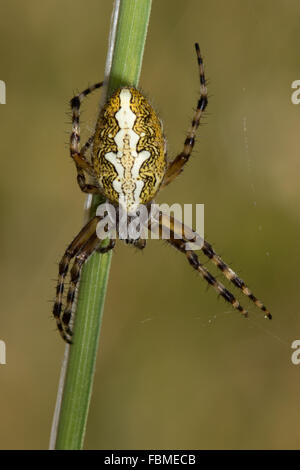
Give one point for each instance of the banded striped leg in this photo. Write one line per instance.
(73, 249)
(140, 243)
(168, 224)
(81, 162)
(233, 277)
(86, 251)
(106, 248)
(176, 166)
(195, 263)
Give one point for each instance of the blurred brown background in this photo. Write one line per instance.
(177, 368)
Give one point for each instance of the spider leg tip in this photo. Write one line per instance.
(67, 339)
(268, 316)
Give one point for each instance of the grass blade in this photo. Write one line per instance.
(130, 19)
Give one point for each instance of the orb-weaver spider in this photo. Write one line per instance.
(128, 166)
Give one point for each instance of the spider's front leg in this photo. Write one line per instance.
(82, 256)
(195, 263)
(177, 238)
(83, 245)
(233, 277)
(140, 243)
(77, 154)
(176, 166)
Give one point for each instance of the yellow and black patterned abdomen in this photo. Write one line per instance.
(129, 150)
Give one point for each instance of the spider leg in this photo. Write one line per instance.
(105, 249)
(178, 239)
(77, 154)
(140, 243)
(176, 166)
(72, 250)
(86, 251)
(232, 276)
(80, 159)
(195, 263)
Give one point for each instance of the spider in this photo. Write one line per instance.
(128, 166)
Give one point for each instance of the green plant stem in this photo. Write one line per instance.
(131, 30)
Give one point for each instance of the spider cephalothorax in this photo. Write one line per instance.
(128, 166)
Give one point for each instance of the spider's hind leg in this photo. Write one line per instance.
(77, 154)
(175, 167)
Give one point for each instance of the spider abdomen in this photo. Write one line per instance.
(129, 150)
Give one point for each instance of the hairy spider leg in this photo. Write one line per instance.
(233, 277)
(72, 250)
(179, 241)
(77, 154)
(92, 245)
(175, 167)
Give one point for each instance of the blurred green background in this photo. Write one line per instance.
(177, 367)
